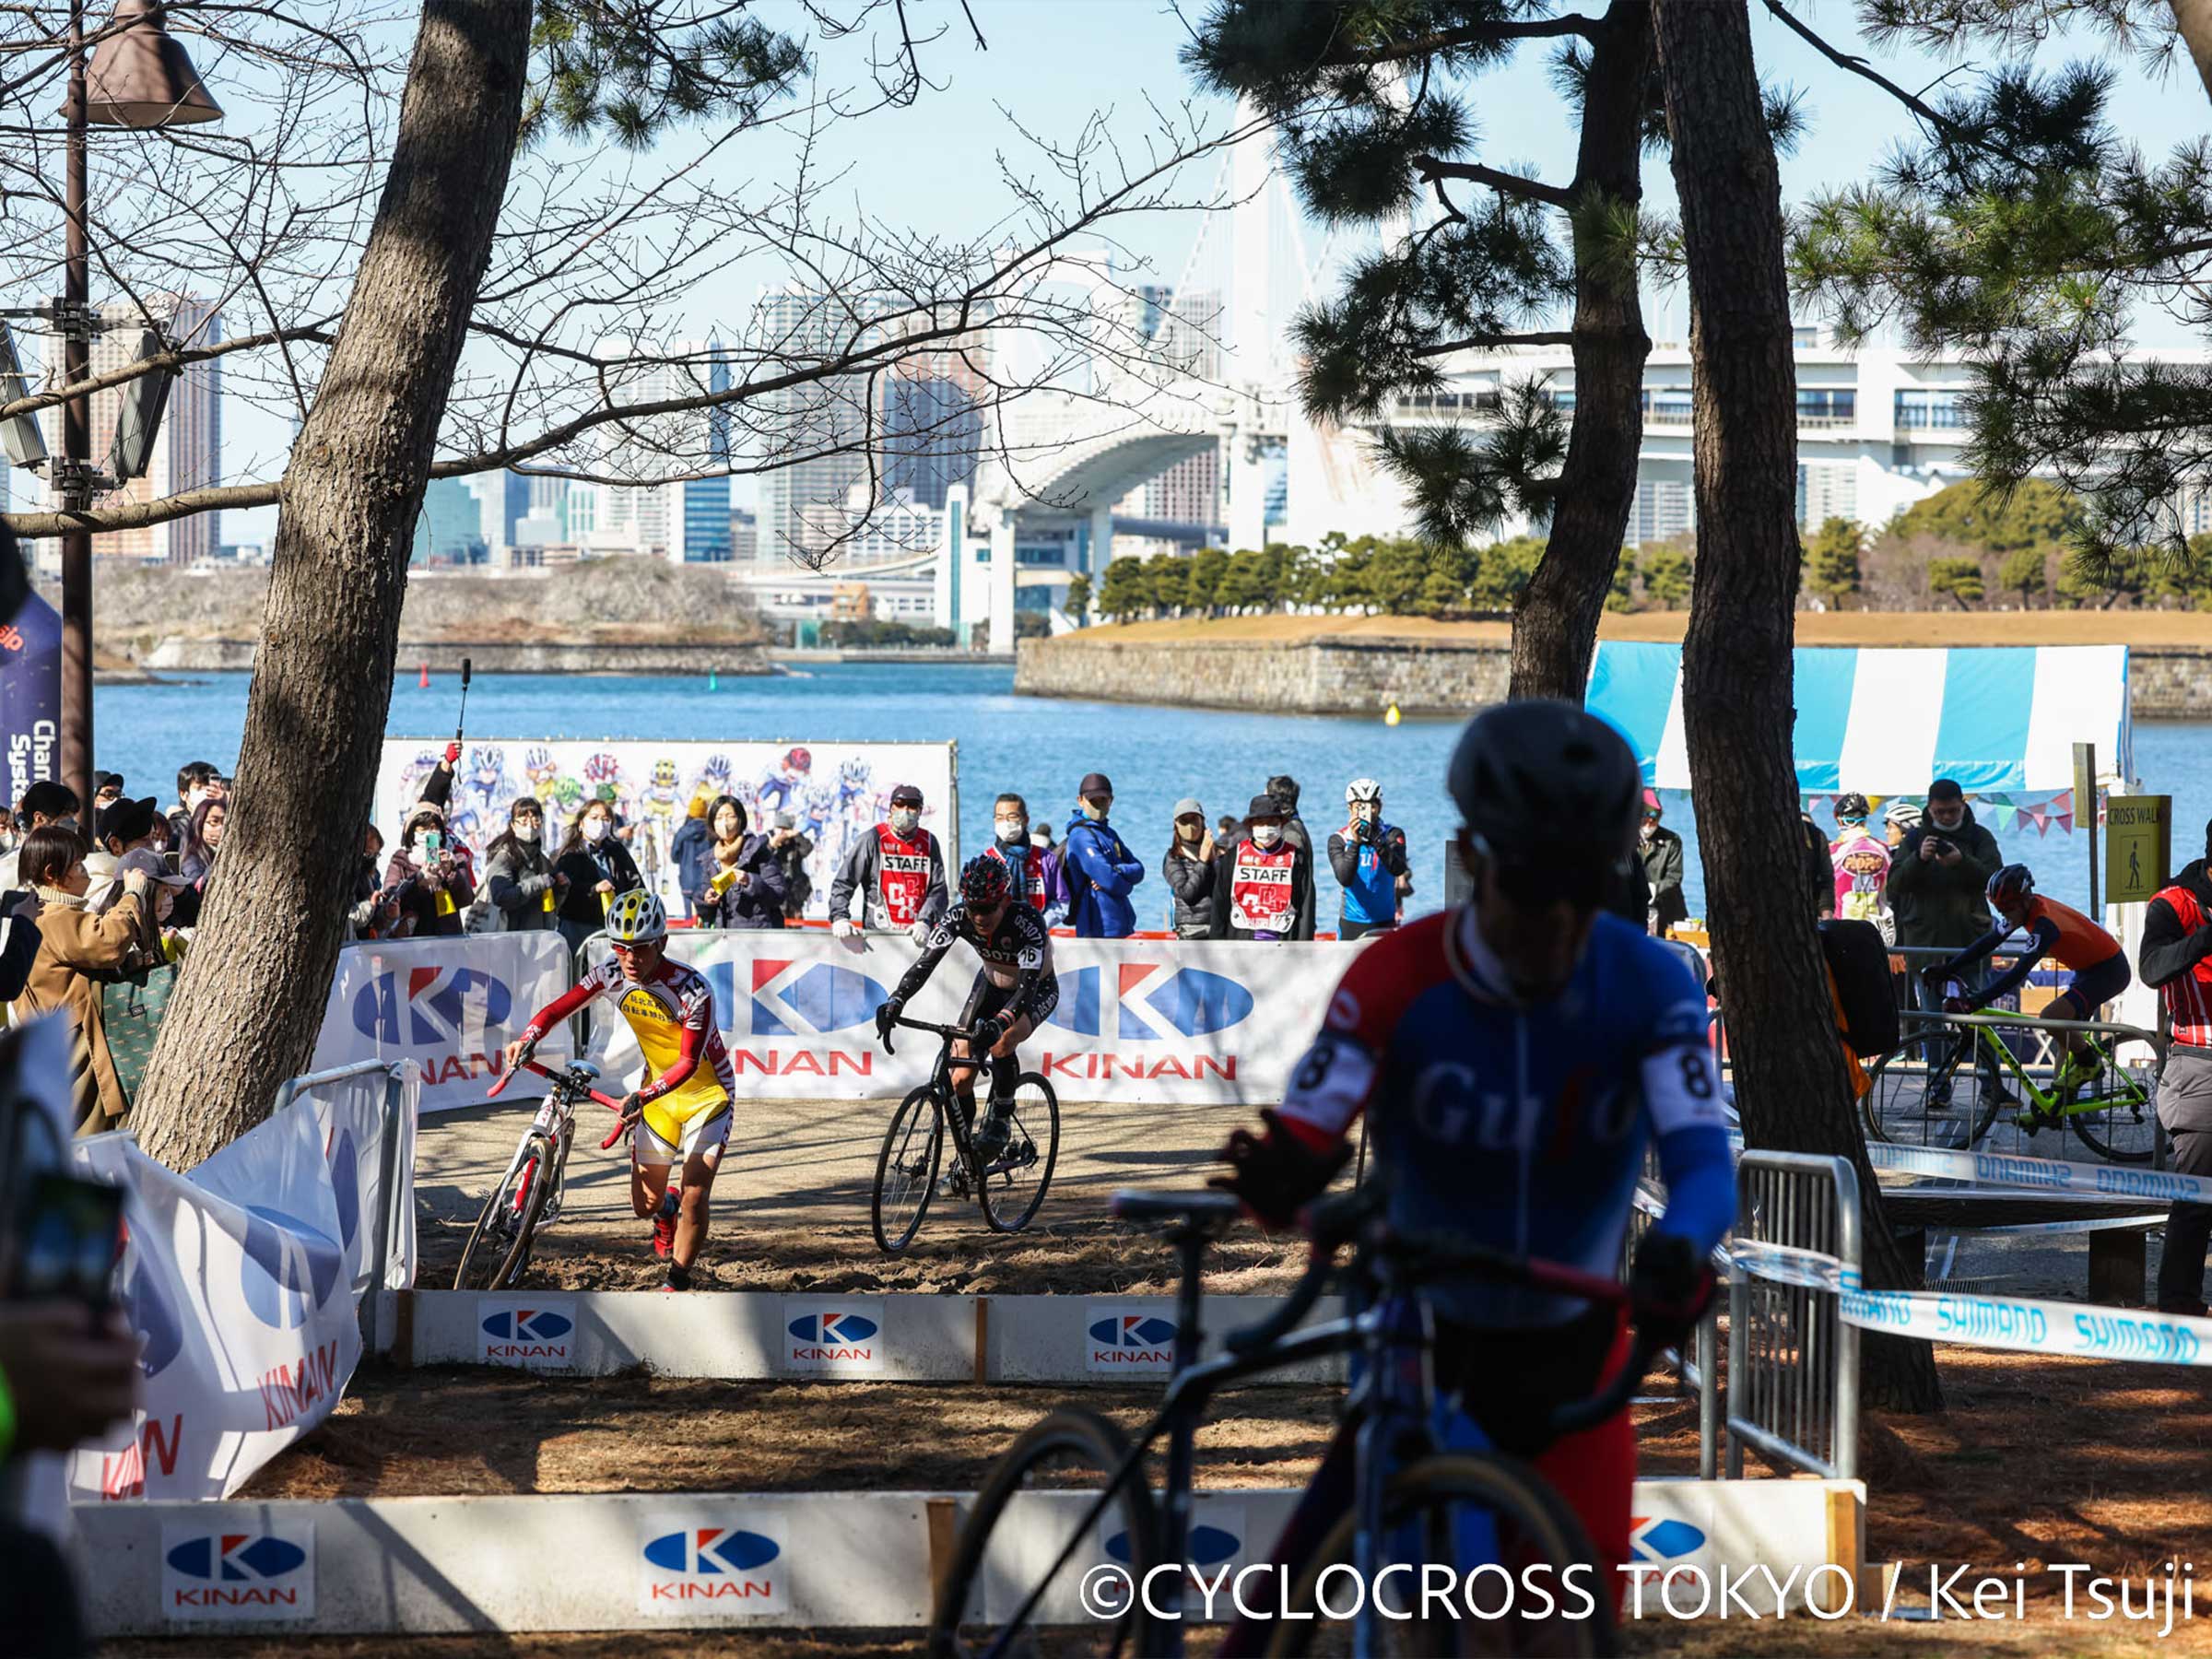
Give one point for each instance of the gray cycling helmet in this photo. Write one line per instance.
(1551, 793)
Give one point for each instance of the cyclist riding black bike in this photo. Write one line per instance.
(1517, 1055)
(1013, 990)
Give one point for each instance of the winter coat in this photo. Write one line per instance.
(1191, 880)
(1941, 905)
(1100, 871)
(1301, 891)
(759, 903)
(692, 853)
(77, 951)
(519, 877)
(1663, 872)
(864, 865)
(419, 884)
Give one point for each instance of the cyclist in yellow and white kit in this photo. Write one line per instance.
(682, 1111)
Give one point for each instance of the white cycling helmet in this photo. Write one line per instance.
(636, 918)
(1362, 789)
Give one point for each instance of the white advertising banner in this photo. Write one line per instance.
(447, 1004)
(239, 1279)
(834, 792)
(1146, 1020)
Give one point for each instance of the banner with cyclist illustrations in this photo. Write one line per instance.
(831, 793)
(1164, 1022)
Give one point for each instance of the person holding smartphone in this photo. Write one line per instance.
(1939, 874)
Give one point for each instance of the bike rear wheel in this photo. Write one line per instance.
(2125, 1128)
(906, 1170)
(1013, 1184)
(1534, 1525)
(499, 1247)
(1038, 1493)
(1895, 1106)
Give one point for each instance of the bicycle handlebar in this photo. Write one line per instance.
(606, 1100)
(923, 1025)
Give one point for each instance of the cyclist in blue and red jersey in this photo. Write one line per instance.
(1515, 1056)
(2067, 938)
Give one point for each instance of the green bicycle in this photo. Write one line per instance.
(2113, 1118)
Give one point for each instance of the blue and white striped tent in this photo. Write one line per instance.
(1885, 722)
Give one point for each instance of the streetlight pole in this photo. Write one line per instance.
(77, 442)
(141, 78)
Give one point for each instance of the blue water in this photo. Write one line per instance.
(1037, 748)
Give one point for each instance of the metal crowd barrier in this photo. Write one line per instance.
(393, 1213)
(1698, 1371)
(1792, 1364)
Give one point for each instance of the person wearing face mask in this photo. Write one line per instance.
(1369, 857)
(1188, 870)
(1035, 870)
(195, 780)
(1097, 866)
(1284, 788)
(1659, 850)
(747, 888)
(1938, 877)
(372, 913)
(1259, 881)
(897, 870)
(597, 868)
(519, 873)
(43, 803)
(431, 875)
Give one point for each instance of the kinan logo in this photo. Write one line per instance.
(289, 1270)
(522, 1334)
(243, 1574)
(734, 1569)
(1122, 1339)
(1663, 1539)
(455, 1010)
(1151, 1003)
(798, 1009)
(834, 1339)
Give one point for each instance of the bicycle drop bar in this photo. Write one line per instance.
(923, 1025)
(608, 1102)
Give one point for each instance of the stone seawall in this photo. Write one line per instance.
(1322, 675)
(1332, 675)
(212, 656)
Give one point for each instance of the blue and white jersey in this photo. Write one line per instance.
(1522, 1127)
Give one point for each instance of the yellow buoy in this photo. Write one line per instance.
(1391, 715)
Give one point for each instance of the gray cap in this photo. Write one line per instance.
(1188, 808)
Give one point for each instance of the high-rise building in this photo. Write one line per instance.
(932, 428)
(680, 519)
(506, 498)
(450, 529)
(187, 452)
(822, 426)
(744, 536)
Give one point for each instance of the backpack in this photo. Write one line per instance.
(1858, 966)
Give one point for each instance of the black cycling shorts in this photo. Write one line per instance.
(987, 1000)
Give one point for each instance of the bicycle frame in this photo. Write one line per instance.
(1980, 1030)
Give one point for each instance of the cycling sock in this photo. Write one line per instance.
(1006, 1071)
(680, 1278)
(670, 1203)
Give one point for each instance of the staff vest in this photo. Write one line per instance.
(902, 872)
(2189, 998)
(1259, 888)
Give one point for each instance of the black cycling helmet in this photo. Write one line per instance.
(2014, 884)
(984, 881)
(1852, 809)
(1551, 794)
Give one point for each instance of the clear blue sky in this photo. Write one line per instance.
(1050, 63)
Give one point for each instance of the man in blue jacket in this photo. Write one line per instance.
(1098, 868)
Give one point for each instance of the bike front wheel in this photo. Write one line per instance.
(906, 1170)
(1002, 1588)
(1427, 1506)
(2122, 1127)
(1012, 1185)
(499, 1247)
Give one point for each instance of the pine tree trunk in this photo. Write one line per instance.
(1737, 705)
(246, 1014)
(1555, 619)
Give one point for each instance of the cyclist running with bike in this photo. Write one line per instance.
(1014, 990)
(681, 1113)
(2067, 938)
(1516, 1054)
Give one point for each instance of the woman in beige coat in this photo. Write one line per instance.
(76, 951)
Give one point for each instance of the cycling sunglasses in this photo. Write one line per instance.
(1535, 882)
